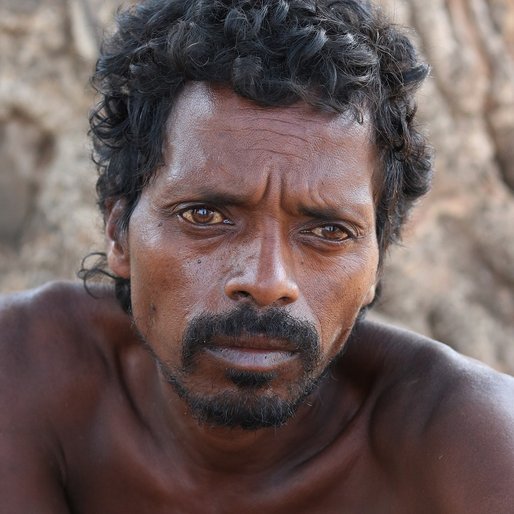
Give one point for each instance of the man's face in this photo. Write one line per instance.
(251, 252)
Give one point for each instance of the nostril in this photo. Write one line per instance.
(264, 286)
(239, 295)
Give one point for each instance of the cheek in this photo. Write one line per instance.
(339, 291)
(171, 283)
(156, 275)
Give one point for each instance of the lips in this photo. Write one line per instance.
(253, 342)
(255, 352)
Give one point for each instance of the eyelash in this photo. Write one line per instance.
(348, 233)
(191, 209)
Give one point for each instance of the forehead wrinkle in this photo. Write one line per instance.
(300, 108)
(325, 131)
(254, 129)
(200, 179)
(280, 153)
(296, 115)
(334, 199)
(330, 209)
(307, 129)
(327, 124)
(288, 118)
(361, 196)
(346, 193)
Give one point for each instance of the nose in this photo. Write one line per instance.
(267, 278)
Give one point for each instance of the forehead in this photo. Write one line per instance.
(214, 135)
(200, 102)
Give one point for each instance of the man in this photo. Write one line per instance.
(256, 160)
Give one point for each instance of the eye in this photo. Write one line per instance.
(331, 232)
(203, 216)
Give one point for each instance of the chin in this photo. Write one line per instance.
(251, 405)
(244, 368)
(251, 401)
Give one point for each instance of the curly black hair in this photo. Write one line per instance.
(336, 55)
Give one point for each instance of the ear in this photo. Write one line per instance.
(374, 291)
(370, 295)
(118, 256)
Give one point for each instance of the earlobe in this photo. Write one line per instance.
(370, 295)
(374, 291)
(118, 256)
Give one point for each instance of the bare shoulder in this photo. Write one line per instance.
(58, 340)
(448, 417)
(55, 357)
(58, 328)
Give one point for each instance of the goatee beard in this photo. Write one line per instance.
(253, 404)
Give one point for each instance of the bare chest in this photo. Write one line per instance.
(126, 471)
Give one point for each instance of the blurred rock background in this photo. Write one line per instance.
(452, 279)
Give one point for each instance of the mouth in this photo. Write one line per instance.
(251, 358)
(252, 353)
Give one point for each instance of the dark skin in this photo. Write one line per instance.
(399, 424)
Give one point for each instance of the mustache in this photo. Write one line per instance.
(275, 323)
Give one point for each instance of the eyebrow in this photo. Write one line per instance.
(225, 198)
(220, 198)
(324, 214)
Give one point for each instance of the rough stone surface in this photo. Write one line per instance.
(452, 279)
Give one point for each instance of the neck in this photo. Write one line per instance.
(331, 406)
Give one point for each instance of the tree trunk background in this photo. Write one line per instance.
(453, 278)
